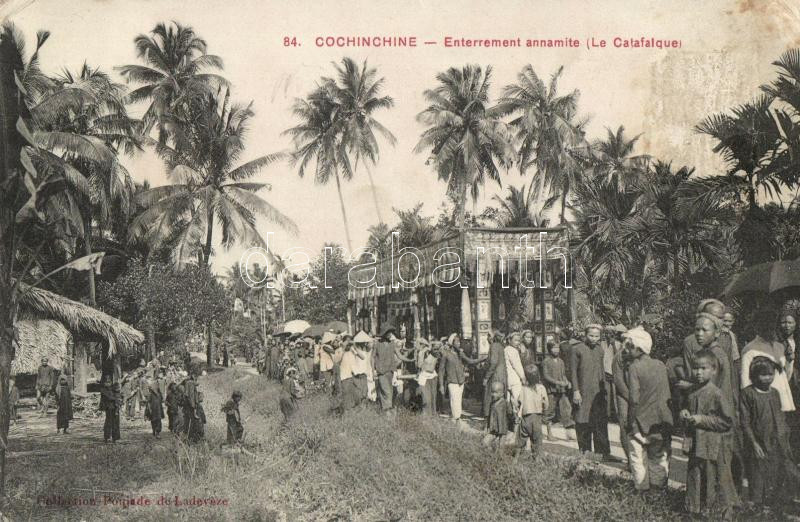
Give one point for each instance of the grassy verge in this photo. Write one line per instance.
(362, 466)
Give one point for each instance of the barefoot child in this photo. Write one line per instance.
(555, 380)
(64, 398)
(233, 418)
(497, 420)
(292, 392)
(533, 404)
(708, 417)
(766, 435)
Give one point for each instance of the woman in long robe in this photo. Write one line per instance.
(64, 398)
(496, 372)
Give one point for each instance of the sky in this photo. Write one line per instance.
(726, 50)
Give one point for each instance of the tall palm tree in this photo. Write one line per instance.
(750, 142)
(175, 58)
(101, 117)
(747, 140)
(547, 131)
(465, 137)
(518, 209)
(208, 190)
(613, 158)
(357, 95)
(319, 139)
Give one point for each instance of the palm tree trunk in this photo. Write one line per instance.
(209, 233)
(461, 210)
(374, 193)
(207, 260)
(563, 206)
(344, 214)
(87, 247)
(676, 271)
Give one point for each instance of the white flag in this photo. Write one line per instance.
(90, 262)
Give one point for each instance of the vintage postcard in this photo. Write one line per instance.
(380, 260)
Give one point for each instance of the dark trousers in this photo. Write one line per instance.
(596, 429)
(111, 425)
(385, 390)
(704, 477)
(559, 409)
(530, 427)
(236, 431)
(156, 425)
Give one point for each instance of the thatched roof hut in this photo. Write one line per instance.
(84, 322)
(37, 338)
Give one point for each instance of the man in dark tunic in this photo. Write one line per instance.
(175, 407)
(191, 417)
(154, 411)
(45, 379)
(110, 403)
(589, 394)
(64, 399)
(384, 364)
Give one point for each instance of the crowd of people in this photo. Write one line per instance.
(735, 407)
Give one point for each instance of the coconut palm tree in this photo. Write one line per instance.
(548, 133)
(465, 137)
(99, 115)
(518, 209)
(319, 139)
(175, 60)
(208, 190)
(357, 95)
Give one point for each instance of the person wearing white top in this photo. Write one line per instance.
(514, 370)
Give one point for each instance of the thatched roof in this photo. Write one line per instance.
(39, 338)
(84, 322)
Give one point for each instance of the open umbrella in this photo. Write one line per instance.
(336, 326)
(315, 330)
(765, 278)
(298, 326)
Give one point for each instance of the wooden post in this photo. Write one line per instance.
(373, 323)
(81, 366)
(350, 305)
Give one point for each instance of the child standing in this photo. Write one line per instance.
(64, 398)
(766, 435)
(292, 392)
(708, 417)
(555, 380)
(533, 404)
(154, 410)
(110, 403)
(497, 420)
(234, 419)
